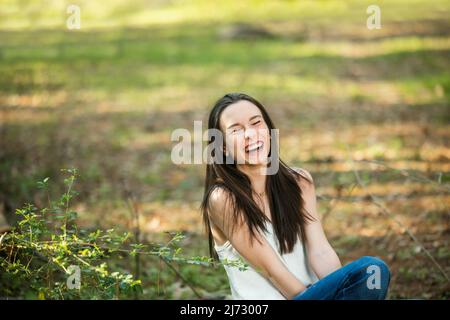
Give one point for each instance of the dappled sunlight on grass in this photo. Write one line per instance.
(137, 12)
(388, 141)
(107, 97)
(386, 189)
(348, 217)
(378, 48)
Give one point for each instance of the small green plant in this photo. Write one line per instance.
(46, 256)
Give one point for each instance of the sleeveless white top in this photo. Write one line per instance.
(251, 285)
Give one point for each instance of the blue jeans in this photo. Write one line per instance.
(364, 279)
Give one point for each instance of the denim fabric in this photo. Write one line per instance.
(364, 279)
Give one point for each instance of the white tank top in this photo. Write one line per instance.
(251, 285)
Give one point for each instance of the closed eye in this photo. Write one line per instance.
(257, 122)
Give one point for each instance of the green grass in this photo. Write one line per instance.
(106, 98)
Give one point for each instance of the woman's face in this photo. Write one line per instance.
(246, 135)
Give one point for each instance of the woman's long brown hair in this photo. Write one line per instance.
(284, 194)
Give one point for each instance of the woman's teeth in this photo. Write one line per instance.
(254, 147)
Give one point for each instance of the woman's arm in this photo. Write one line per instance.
(260, 254)
(322, 257)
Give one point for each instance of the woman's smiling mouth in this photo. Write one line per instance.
(254, 147)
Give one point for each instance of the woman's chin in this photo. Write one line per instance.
(256, 160)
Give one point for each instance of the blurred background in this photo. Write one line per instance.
(105, 99)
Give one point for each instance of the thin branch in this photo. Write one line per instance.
(135, 214)
(393, 217)
(333, 202)
(182, 278)
(406, 173)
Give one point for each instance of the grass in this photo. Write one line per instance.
(106, 98)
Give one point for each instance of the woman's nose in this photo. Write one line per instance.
(250, 133)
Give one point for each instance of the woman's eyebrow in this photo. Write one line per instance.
(251, 118)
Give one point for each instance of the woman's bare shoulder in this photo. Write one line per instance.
(219, 195)
(219, 202)
(304, 174)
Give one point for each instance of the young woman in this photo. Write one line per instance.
(270, 219)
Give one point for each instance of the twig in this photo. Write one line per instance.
(333, 202)
(409, 175)
(392, 216)
(181, 277)
(135, 213)
(132, 206)
(1, 238)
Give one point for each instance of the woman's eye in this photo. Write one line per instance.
(257, 122)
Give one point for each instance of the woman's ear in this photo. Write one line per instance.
(225, 151)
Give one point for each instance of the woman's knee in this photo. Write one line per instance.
(374, 263)
(378, 276)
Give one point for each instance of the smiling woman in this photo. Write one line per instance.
(243, 202)
(247, 139)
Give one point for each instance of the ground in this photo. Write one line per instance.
(106, 98)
